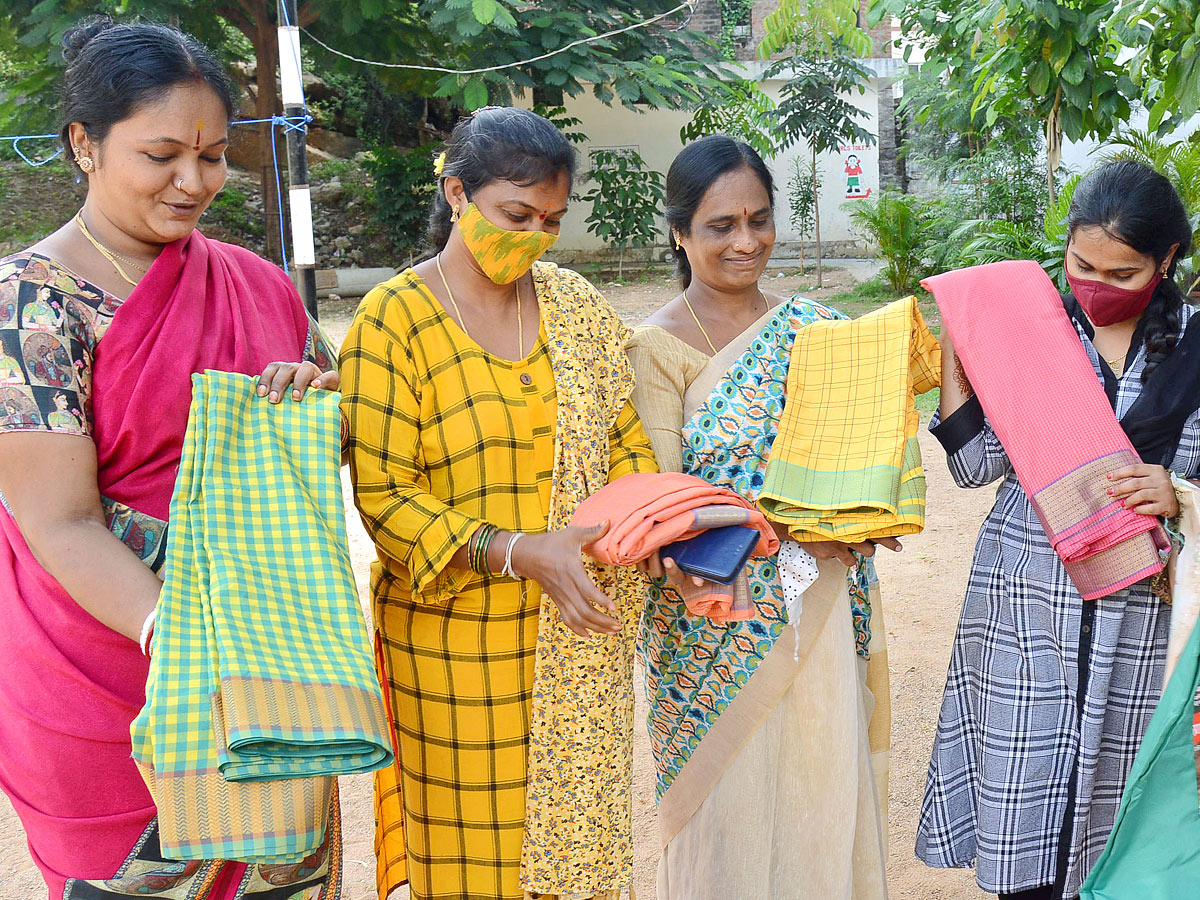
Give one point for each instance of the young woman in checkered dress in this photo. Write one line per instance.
(1048, 696)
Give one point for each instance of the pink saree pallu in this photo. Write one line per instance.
(1046, 405)
(69, 686)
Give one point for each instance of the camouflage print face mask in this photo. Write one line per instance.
(503, 255)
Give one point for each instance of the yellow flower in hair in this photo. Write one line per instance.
(439, 164)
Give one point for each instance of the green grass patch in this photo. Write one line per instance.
(878, 291)
(36, 201)
(875, 292)
(231, 211)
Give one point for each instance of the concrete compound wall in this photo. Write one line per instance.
(847, 176)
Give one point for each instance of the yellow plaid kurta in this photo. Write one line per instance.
(445, 436)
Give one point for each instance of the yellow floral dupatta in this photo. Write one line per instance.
(578, 829)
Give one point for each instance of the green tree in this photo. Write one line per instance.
(803, 188)
(994, 241)
(1058, 58)
(985, 171)
(235, 28)
(741, 110)
(819, 77)
(1167, 63)
(941, 131)
(647, 67)
(404, 184)
(822, 22)
(625, 201)
(656, 66)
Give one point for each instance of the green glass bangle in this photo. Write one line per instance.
(477, 548)
(484, 569)
(473, 549)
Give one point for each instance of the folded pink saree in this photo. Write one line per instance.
(1042, 398)
(646, 511)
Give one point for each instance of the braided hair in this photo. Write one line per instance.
(1139, 207)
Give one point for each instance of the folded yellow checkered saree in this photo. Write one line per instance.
(846, 465)
(262, 685)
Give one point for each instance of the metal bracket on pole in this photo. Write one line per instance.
(299, 198)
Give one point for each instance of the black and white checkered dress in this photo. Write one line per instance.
(1047, 696)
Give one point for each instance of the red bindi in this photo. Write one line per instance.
(199, 128)
(542, 217)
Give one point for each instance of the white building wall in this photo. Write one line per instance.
(1080, 156)
(655, 135)
(835, 170)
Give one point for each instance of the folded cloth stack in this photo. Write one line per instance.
(1011, 331)
(648, 510)
(846, 464)
(262, 685)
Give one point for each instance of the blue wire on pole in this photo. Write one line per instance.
(288, 123)
(16, 145)
(287, 21)
(279, 205)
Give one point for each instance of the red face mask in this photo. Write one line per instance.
(1106, 304)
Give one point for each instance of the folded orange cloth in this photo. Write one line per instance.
(646, 511)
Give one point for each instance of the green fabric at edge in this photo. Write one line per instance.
(1153, 852)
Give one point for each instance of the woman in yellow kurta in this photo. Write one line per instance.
(486, 398)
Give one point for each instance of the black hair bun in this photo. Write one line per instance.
(78, 35)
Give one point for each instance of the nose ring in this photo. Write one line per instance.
(179, 184)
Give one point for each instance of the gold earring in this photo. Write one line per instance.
(454, 214)
(85, 162)
(678, 246)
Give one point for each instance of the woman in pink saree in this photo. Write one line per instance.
(140, 301)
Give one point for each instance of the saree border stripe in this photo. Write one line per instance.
(266, 717)
(263, 821)
(1063, 442)
(846, 464)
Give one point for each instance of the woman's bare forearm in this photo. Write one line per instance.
(100, 573)
(956, 390)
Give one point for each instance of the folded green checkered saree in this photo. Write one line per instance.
(262, 685)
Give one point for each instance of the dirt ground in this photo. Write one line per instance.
(922, 591)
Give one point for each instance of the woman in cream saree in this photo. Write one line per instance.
(770, 736)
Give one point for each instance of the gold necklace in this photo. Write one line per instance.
(108, 254)
(463, 322)
(700, 325)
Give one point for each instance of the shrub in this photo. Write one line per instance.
(994, 241)
(625, 201)
(404, 186)
(230, 210)
(900, 227)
